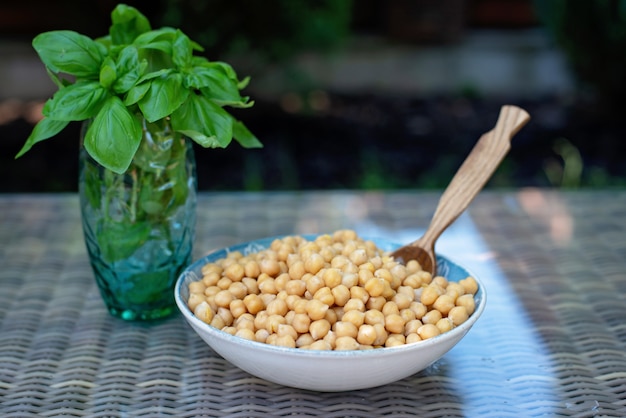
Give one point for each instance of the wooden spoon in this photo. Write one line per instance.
(468, 181)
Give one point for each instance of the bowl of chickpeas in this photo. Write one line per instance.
(330, 312)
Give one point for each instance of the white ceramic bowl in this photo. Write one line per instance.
(327, 371)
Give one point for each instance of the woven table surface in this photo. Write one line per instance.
(551, 342)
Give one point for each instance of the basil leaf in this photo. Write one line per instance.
(213, 78)
(210, 141)
(114, 135)
(160, 39)
(78, 101)
(136, 93)
(181, 50)
(128, 24)
(203, 121)
(107, 73)
(164, 96)
(119, 240)
(244, 137)
(70, 52)
(129, 69)
(45, 128)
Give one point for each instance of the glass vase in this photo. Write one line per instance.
(139, 225)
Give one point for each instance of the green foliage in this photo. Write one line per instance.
(136, 72)
(276, 29)
(593, 36)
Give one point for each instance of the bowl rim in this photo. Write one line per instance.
(454, 333)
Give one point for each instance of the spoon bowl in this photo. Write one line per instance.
(468, 181)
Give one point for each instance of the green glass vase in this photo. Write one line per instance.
(139, 225)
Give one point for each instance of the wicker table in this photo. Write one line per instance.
(551, 342)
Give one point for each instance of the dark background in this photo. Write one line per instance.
(387, 132)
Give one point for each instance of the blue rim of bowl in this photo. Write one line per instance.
(263, 243)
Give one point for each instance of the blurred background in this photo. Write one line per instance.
(362, 94)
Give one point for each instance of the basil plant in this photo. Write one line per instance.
(133, 72)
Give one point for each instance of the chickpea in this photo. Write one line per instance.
(394, 323)
(197, 287)
(346, 343)
(211, 269)
(304, 340)
(440, 281)
(381, 335)
(427, 331)
(357, 292)
(301, 322)
(251, 285)
(237, 308)
(344, 328)
(277, 307)
(235, 272)
(224, 283)
(223, 298)
(356, 317)
(350, 280)
(373, 316)
(354, 305)
(412, 326)
(444, 325)
(285, 329)
(297, 270)
(295, 287)
(217, 322)
(413, 338)
(316, 309)
(331, 339)
(364, 275)
(314, 283)
(470, 285)
(455, 290)
(332, 277)
(431, 317)
(341, 294)
(376, 303)
(390, 308)
(366, 335)
(419, 309)
(395, 340)
(261, 335)
(254, 303)
(238, 290)
(248, 334)
(226, 316)
(314, 263)
(273, 322)
(204, 312)
(270, 267)
(325, 295)
(358, 256)
(458, 315)
(333, 314)
(444, 303)
(318, 329)
(413, 281)
(194, 300)
(285, 341)
(320, 345)
(407, 315)
(468, 302)
(375, 286)
(430, 295)
(268, 286)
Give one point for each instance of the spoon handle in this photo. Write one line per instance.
(475, 171)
